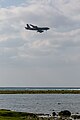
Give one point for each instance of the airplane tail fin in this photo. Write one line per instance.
(28, 26)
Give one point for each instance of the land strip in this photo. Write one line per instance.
(39, 91)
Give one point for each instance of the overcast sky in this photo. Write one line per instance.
(51, 58)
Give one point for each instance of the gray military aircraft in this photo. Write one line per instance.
(38, 29)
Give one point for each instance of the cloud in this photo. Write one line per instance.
(61, 40)
(52, 56)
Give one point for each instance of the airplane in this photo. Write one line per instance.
(38, 29)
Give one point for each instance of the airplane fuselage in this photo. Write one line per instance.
(39, 28)
(43, 28)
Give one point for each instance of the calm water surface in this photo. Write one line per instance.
(40, 103)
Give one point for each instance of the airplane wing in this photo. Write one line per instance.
(38, 29)
(33, 26)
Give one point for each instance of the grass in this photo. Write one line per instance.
(39, 91)
(12, 115)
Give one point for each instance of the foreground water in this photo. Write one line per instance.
(40, 103)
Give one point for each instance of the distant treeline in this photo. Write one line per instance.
(39, 91)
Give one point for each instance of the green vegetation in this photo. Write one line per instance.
(12, 115)
(39, 91)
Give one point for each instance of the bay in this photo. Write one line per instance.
(40, 103)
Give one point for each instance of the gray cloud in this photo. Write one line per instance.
(56, 50)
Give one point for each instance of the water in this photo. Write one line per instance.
(39, 88)
(40, 103)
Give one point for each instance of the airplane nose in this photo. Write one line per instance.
(48, 28)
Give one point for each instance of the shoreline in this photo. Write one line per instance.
(39, 91)
(6, 114)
